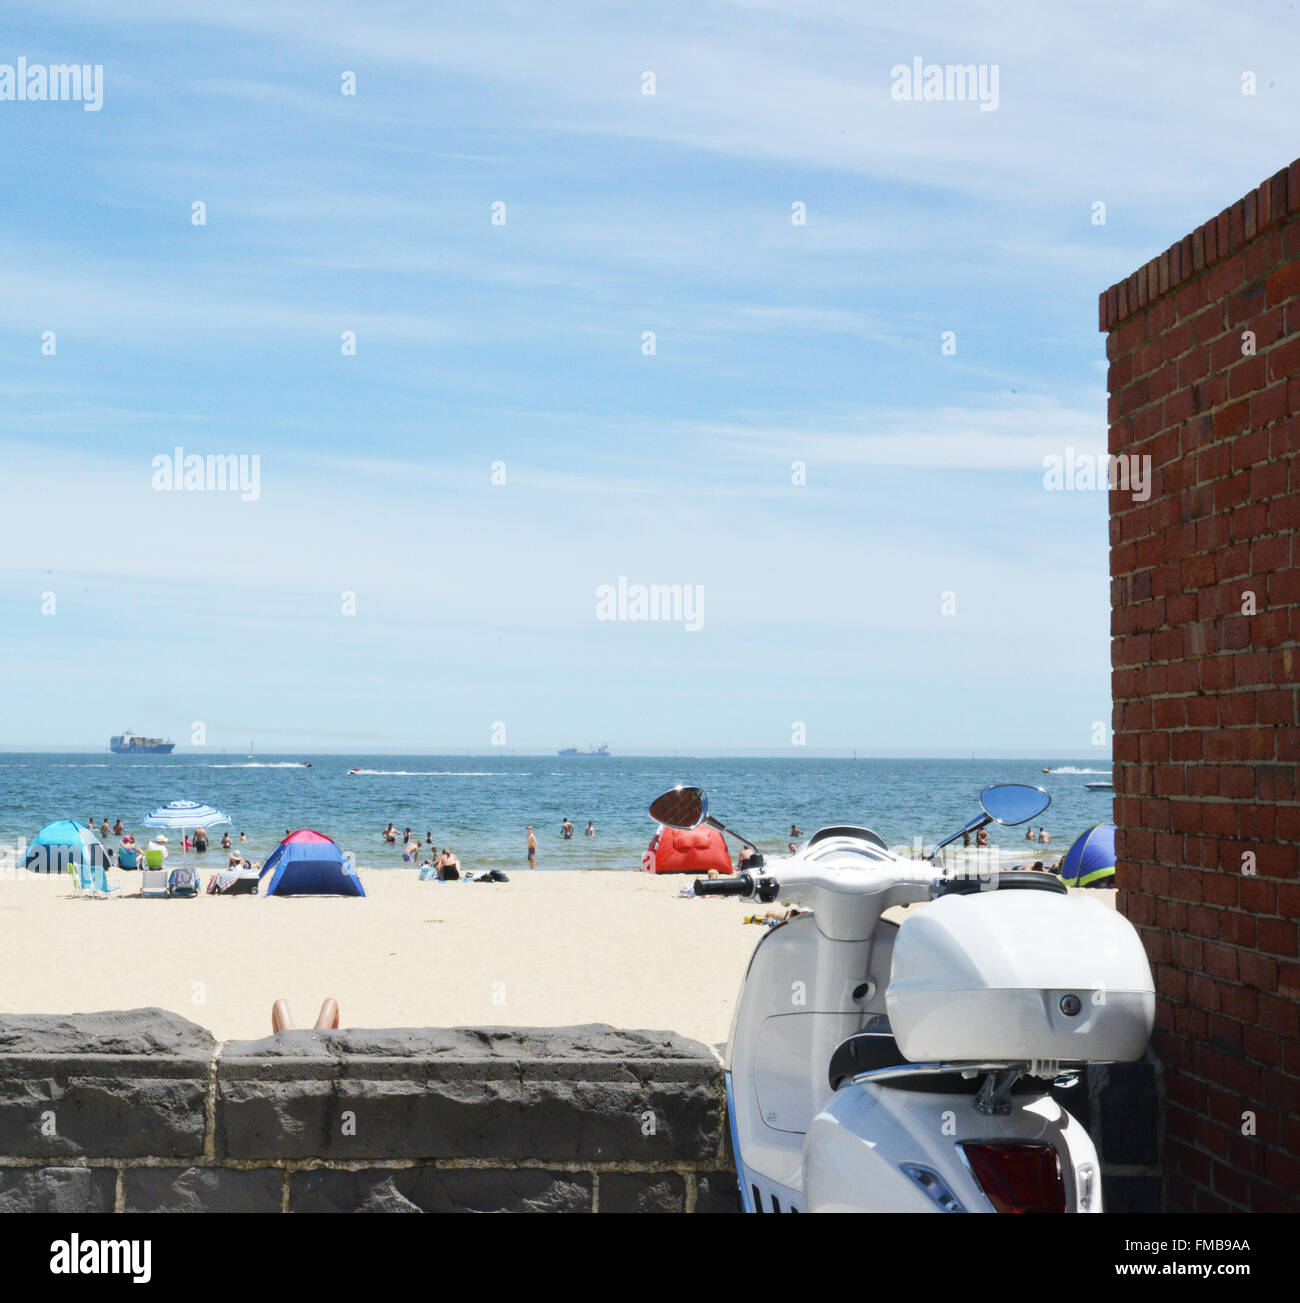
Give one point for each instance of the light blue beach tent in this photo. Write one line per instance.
(67, 845)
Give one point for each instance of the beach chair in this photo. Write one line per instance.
(183, 881)
(90, 880)
(153, 877)
(129, 858)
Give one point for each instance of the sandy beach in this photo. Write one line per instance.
(542, 950)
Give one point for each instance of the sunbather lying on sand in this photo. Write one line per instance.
(775, 916)
(327, 1019)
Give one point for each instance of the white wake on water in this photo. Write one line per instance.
(427, 773)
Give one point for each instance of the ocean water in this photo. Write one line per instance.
(481, 805)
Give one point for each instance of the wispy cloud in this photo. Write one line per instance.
(981, 438)
(528, 342)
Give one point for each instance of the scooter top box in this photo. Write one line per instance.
(1009, 976)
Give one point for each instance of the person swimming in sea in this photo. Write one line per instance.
(590, 829)
(566, 829)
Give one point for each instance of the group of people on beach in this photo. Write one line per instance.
(198, 842)
(444, 864)
(566, 833)
(1042, 836)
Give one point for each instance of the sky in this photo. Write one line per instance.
(773, 334)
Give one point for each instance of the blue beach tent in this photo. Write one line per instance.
(66, 844)
(308, 863)
(1090, 861)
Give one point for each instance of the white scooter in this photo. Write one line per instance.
(875, 1066)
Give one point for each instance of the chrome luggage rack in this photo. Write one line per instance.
(994, 1095)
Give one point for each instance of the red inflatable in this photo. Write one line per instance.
(687, 850)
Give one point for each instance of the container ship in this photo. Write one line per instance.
(601, 750)
(132, 744)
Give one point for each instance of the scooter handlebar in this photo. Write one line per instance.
(741, 885)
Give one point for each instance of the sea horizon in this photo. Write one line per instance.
(481, 805)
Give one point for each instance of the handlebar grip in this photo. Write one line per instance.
(741, 885)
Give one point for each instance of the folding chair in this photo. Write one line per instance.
(153, 878)
(86, 881)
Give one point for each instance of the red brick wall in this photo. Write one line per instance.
(1207, 739)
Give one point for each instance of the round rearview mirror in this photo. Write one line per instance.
(683, 807)
(1012, 803)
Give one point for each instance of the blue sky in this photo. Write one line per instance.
(521, 344)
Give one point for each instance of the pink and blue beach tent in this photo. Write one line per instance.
(308, 863)
(1090, 861)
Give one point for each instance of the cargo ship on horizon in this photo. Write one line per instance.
(601, 750)
(132, 744)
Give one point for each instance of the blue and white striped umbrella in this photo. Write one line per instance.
(185, 814)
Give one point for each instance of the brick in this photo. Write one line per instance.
(1279, 937)
(1283, 283)
(1283, 360)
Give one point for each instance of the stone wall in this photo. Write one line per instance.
(1204, 349)
(142, 1111)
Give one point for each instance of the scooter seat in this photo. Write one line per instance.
(865, 1051)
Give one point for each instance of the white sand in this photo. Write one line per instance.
(545, 949)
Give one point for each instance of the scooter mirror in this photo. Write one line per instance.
(683, 807)
(1012, 803)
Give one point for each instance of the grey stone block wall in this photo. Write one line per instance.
(571, 1094)
(142, 1111)
(106, 1085)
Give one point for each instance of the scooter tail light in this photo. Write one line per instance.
(1087, 1189)
(1018, 1178)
